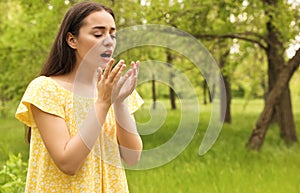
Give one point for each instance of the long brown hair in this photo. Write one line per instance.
(61, 59)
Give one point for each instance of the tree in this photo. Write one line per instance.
(273, 99)
(171, 82)
(264, 23)
(273, 39)
(225, 105)
(281, 109)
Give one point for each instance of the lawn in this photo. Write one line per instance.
(227, 168)
(12, 139)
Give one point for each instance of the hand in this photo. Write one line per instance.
(126, 84)
(108, 80)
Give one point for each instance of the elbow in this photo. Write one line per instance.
(131, 153)
(67, 168)
(133, 159)
(68, 171)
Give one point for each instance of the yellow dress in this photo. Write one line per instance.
(102, 171)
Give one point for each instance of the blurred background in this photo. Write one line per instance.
(255, 43)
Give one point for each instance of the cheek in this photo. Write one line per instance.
(86, 46)
(91, 43)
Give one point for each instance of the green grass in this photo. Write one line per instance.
(12, 139)
(227, 168)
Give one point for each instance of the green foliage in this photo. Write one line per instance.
(250, 77)
(282, 16)
(13, 174)
(28, 28)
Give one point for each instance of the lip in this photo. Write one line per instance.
(106, 55)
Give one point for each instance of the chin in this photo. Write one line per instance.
(102, 64)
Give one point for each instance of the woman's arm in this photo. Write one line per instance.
(69, 152)
(128, 138)
(130, 143)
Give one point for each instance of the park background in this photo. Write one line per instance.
(255, 43)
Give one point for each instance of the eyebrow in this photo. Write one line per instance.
(103, 27)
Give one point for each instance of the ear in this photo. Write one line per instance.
(71, 40)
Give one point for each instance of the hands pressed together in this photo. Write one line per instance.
(112, 86)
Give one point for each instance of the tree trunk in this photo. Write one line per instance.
(172, 98)
(204, 87)
(258, 134)
(282, 111)
(171, 83)
(207, 93)
(225, 94)
(153, 92)
(212, 93)
(283, 114)
(286, 118)
(226, 107)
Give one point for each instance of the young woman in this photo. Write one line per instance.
(79, 110)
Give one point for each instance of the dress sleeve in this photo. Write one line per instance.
(43, 94)
(135, 101)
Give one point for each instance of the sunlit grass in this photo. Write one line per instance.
(228, 167)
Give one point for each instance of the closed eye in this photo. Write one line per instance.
(97, 35)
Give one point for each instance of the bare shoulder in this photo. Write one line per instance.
(63, 81)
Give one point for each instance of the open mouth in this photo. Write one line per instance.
(106, 54)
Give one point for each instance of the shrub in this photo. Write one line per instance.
(13, 174)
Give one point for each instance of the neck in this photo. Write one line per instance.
(84, 77)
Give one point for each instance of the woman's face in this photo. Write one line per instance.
(96, 40)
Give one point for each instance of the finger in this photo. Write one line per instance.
(108, 68)
(99, 74)
(136, 72)
(122, 81)
(119, 73)
(118, 69)
(129, 73)
(134, 68)
(137, 66)
(132, 84)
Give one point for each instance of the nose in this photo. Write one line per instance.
(109, 41)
